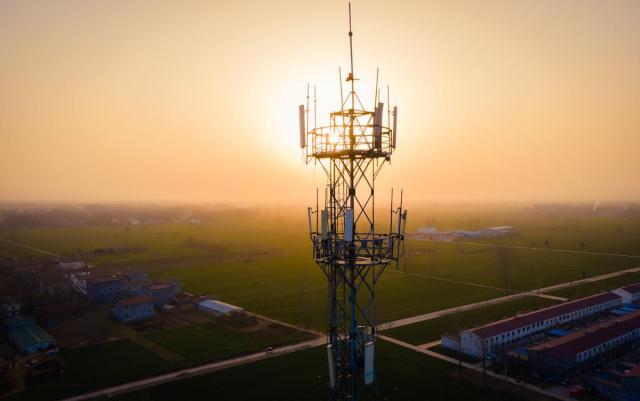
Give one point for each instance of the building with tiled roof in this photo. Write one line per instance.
(594, 344)
(520, 329)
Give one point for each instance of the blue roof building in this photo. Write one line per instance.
(27, 336)
(134, 309)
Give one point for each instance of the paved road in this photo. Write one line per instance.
(494, 301)
(30, 248)
(445, 312)
(198, 370)
(477, 368)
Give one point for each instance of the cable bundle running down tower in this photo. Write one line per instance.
(352, 150)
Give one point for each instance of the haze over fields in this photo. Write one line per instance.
(196, 100)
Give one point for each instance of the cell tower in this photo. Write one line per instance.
(352, 150)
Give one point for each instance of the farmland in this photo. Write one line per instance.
(101, 365)
(262, 262)
(298, 376)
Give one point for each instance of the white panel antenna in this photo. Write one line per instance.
(332, 371)
(303, 129)
(348, 225)
(395, 126)
(377, 126)
(369, 373)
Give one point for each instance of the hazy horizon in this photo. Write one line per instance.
(157, 101)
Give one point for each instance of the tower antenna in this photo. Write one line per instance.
(352, 149)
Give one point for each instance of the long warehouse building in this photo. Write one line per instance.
(508, 333)
(568, 355)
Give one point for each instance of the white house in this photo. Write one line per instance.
(629, 294)
(71, 266)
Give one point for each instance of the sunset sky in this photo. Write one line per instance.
(197, 100)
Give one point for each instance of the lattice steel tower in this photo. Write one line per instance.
(347, 245)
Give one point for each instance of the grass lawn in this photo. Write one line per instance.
(403, 375)
(430, 330)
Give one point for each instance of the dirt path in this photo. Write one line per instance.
(124, 331)
(31, 248)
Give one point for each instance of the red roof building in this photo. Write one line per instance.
(563, 356)
(561, 313)
(520, 329)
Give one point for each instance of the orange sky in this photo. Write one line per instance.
(197, 100)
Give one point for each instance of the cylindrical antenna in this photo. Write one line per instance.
(388, 107)
(315, 107)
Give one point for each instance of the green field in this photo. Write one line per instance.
(208, 342)
(564, 228)
(403, 375)
(515, 269)
(430, 330)
(598, 286)
(102, 365)
(263, 262)
(97, 366)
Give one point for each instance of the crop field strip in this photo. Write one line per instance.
(301, 377)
